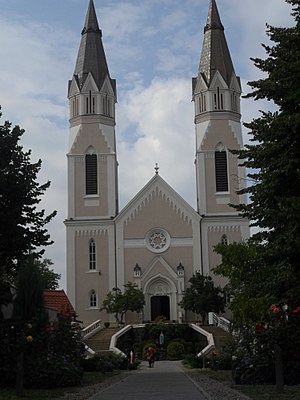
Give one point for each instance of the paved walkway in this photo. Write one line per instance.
(166, 381)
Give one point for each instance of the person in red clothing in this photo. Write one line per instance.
(150, 356)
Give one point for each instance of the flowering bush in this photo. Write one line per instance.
(52, 352)
(282, 330)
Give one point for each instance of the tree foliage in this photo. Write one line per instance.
(118, 303)
(50, 278)
(273, 157)
(202, 296)
(252, 284)
(264, 274)
(29, 303)
(22, 223)
(22, 226)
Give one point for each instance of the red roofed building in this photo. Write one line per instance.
(57, 302)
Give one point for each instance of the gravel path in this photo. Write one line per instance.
(214, 390)
(210, 388)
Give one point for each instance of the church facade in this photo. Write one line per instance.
(157, 241)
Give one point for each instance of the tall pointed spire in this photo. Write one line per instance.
(91, 56)
(91, 23)
(215, 53)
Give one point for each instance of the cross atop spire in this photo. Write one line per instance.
(213, 19)
(91, 23)
(215, 53)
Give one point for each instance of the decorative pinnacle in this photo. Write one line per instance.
(156, 168)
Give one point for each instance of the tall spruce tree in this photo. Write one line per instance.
(273, 158)
(22, 224)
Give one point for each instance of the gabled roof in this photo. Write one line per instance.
(91, 56)
(58, 300)
(215, 53)
(157, 185)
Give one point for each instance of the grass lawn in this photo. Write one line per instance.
(257, 392)
(89, 378)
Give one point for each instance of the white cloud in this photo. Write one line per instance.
(163, 116)
(153, 49)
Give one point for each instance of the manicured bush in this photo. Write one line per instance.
(175, 351)
(220, 361)
(107, 363)
(58, 372)
(193, 361)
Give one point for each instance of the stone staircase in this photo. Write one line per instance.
(101, 340)
(219, 335)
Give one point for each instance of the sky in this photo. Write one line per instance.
(153, 50)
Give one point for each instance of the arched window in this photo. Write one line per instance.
(218, 100)
(202, 103)
(90, 104)
(93, 299)
(106, 105)
(224, 239)
(91, 173)
(221, 170)
(92, 255)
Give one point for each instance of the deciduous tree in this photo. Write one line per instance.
(202, 296)
(119, 303)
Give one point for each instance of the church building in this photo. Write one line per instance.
(157, 241)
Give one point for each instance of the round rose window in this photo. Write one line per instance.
(158, 240)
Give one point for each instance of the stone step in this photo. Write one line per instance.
(100, 342)
(220, 336)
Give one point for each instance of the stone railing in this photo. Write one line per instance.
(92, 329)
(221, 322)
(114, 338)
(210, 340)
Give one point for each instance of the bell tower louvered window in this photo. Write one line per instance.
(221, 170)
(91, 174)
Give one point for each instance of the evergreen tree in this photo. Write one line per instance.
(273, 158)
(50, 278)
(29, 304)
(22, 224)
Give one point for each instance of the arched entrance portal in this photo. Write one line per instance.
(160, 298)
(160, 307)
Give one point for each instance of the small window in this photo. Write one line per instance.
(75, 107)
(106, 105)
(224, 240)
(91, 174)
(202, 103)
(93, 299)
(221, 171)
(90, 104)
(218, 100)
(92, 255)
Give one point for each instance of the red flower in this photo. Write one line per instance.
(260, 329)
(297, 310)
(275, 309)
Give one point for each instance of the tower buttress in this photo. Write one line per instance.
(216, 96)
(92, 158)
(92, 175)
